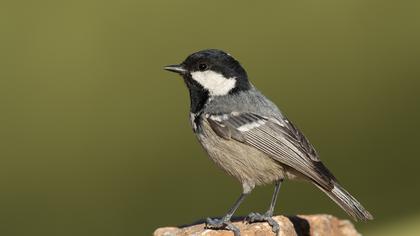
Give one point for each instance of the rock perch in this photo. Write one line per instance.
(300, 225)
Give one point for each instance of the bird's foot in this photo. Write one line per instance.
(222, 224)
(257, 217)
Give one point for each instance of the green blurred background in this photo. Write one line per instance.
(95, 137)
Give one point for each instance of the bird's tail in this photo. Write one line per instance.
(347, 202)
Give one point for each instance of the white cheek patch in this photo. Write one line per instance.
(215, 83)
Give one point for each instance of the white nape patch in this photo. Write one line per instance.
(215, 83)
(248, 127)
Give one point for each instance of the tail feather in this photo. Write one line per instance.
(347, 202)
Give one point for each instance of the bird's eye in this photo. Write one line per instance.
(202, 67)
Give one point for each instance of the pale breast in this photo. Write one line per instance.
(246, 163)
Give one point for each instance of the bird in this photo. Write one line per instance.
(246, 135)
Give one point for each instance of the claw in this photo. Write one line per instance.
(217, 224)
(233, 228)
(257, 217)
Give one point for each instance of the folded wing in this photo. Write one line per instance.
(278, 138)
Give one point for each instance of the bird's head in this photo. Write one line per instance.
(211, 73)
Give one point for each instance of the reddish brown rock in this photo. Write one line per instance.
(322, 225)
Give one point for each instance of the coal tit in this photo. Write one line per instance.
(248, 137)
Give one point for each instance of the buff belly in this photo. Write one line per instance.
(247, 164)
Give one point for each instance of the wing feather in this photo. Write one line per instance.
(278, 138)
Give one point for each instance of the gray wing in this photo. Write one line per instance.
(279, 139)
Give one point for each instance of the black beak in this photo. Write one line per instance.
(176, 68)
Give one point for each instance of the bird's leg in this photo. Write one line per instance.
(267, 217)
(224, 223)
(274, 198)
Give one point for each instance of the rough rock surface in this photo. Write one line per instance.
(301, 225)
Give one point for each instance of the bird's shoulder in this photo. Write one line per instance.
(250, 101)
